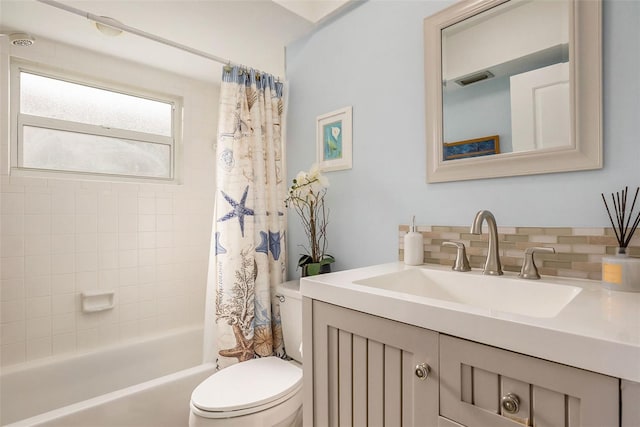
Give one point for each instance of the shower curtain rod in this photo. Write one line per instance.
(133, 30)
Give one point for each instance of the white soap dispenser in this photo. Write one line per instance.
(413, 245)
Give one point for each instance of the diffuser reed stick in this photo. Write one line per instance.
(621, 228)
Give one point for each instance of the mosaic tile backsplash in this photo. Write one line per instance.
(579, 251)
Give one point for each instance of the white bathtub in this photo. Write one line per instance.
(145, 383)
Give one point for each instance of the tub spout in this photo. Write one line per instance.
(492, 265)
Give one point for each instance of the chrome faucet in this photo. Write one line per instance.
(492, 266)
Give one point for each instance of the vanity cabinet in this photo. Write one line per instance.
(368, 371)
(489, 387)
(363, 372)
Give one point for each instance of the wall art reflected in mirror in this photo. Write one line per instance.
(527, 72)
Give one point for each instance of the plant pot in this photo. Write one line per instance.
(315, 268)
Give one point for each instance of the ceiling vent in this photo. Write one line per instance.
(475, 78)
(21, 39)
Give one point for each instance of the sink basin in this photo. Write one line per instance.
(500, 293)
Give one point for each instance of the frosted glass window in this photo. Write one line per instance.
(77, 152)
(66, 123)
(63, 100)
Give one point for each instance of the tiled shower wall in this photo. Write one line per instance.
(147, 242)
(579, 251)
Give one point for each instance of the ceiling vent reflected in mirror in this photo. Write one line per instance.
(475, 78)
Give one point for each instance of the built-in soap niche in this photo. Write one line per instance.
(579, 251)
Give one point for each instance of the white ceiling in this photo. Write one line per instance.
(249, 32)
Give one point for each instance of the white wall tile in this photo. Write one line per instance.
(63, 323)
(38, 328)
(146, 223)
(12, 246)
(37, 286)
(13, 353)
(63, 263)
(12, 203)
(147, 240)
(12, 225)
(64, 303)
(63, 203)
(12, 267)
(164, 206)
(12, 332)
(128, 276)
(107, 242)
(87, 242)
(63, 243)
(86, 281)
(127, 204)
(87, 223)
(64, 343)
(127, 223)
(107, 260)
(128, 259)
(107, 222)
(37, 244)
(35, 203)
(63, 224)
(38, 307)
(63, 283)
(146, 257)
(38, 348)
(108, 279)
(146, 205)
(12, 289)
(37, 224)
(86, 203)
(37, 265)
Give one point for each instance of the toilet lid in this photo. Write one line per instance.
(246, 385)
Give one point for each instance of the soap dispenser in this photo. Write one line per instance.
(413, 245)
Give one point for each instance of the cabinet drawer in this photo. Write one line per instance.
(475, 377)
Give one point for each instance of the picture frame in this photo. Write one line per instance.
(484, 146)
(334, 149)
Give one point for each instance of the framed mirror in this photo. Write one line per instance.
(513, 87)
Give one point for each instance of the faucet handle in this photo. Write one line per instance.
(529, 269)
(461, 263)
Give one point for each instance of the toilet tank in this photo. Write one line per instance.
(291, 317)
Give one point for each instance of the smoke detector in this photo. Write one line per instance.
(21, 39)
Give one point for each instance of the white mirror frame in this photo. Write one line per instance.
(585, 70)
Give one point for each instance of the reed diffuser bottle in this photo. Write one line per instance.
(622, 272)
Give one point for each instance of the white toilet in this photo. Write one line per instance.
(262, 392)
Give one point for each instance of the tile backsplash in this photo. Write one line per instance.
(579, 251)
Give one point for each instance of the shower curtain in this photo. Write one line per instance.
(247, 256)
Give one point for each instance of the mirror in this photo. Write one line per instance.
(513, 87)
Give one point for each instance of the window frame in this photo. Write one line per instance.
(19, 120)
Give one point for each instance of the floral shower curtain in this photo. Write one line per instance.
(247, 247)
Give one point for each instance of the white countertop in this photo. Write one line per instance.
(599, 330)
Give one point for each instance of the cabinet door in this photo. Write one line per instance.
(629, 403)
(475, 377)
(364, 370)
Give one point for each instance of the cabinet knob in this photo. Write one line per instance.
(511, 403)
(422, 371)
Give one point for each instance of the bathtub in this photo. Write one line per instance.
(144, 383)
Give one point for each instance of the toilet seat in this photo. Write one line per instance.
(246, 388)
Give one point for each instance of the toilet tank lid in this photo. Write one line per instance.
(253, 383)
(290, 289)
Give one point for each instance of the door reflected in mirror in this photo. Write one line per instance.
(505, 72)
(513, 87)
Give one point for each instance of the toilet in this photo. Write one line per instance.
(261, 392)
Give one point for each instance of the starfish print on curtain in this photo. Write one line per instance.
(247, 250)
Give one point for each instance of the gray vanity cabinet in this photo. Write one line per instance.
(364, 370)
(486, 386)
(360, 370)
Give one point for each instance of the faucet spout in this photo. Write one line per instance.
(492, 265)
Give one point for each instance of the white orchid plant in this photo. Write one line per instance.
(306, 196)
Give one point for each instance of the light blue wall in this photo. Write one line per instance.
(372, 59)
